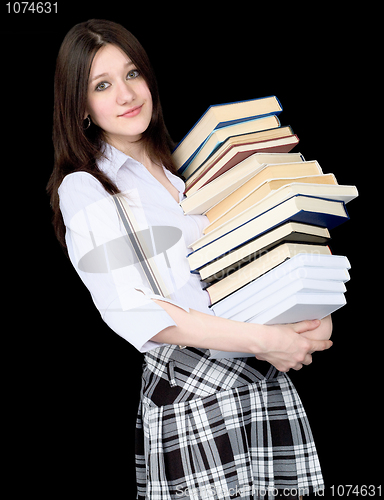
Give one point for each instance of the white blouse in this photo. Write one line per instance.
(96, 239)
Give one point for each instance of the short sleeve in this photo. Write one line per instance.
(102, 255)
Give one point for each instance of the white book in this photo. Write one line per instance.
(299, 266)
(300, 307)
(283, 288)
(297, 307)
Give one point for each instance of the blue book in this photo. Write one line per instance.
(245, 226)
(217, 138)
(218, 116)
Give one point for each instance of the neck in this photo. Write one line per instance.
(135, 150)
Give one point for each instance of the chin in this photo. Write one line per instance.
(133, 133)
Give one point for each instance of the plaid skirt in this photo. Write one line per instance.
(221, 429)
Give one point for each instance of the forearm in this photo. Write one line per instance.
(284, 346)
(197, 329)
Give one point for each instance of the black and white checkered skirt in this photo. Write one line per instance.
(221, 429)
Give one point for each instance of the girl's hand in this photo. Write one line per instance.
(287, 346)
(322, 332)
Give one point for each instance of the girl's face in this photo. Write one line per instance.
(119, 100)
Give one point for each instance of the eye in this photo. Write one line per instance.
(102, 86)
(133, 73)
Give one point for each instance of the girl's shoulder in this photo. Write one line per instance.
(79, 190)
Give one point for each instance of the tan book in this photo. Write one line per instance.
(241, 199)
(325, 191)
(266, 173)
(212, 193)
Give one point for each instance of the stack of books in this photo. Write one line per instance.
(264, 255)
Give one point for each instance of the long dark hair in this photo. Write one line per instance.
(76, 147)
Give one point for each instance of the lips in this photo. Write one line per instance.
(130, 113)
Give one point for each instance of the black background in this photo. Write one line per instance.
(72, 385)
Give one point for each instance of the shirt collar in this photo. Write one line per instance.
(111, 161)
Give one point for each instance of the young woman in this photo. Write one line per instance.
(210, 428)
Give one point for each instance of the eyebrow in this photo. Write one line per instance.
(126, 65)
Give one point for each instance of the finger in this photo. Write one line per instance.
(320, 345)
(307, 360)
(306, 326)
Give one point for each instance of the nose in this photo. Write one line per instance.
(125, 93)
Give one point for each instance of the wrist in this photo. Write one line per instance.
(264, 338)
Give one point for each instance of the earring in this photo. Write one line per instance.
(88, 124)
